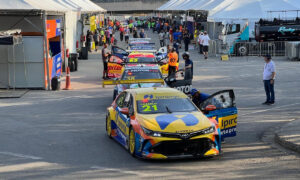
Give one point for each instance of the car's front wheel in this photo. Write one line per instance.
(131, 142)
(108, 126)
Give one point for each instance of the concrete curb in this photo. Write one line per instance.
(285, 142)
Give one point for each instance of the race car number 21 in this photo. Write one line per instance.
(149, 107)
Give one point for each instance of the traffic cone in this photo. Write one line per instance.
(68, 80)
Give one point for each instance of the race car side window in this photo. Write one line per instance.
(223, 99)
(120, 100)
(118, 50)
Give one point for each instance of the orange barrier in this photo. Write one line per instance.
(68, 80)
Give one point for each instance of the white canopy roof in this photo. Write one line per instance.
(14, 4)
(85, 6)
(254, 9)
(185, 5)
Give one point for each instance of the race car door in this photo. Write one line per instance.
(121, 53)
(122, 117)
(114, 67)
(225, 111)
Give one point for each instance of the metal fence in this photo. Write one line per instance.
(276, 48)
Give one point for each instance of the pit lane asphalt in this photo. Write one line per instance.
(61, 135)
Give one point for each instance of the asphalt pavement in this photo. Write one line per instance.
(61, 134)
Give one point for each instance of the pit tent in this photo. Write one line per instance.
(44, 26)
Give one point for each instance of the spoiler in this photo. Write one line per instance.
(139, 39)
(115, 82)
(142, 51)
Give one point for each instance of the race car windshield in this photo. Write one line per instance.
(141, 60)
(153, 106)
(141, 74)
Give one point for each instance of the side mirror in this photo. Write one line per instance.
(124, 111)
(210, 108)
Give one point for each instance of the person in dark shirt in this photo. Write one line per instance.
(135, 33)
(105, 57)
(142, 34)
(188, 68)
(186, 40)
(198, 97)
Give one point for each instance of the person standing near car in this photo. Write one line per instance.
(142, 34)
(126, 33)
(96, 39)
(105, 57)
(173, 59)
(188, 67)
(269, 79)
(135, 33)
(205, 42)
(121, 33)
(186, 40)
(161, 36)
(200, 43)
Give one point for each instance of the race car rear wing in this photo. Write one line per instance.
(139, 39)
(136, 81)
(142, 51)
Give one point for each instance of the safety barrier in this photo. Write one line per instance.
(275, 48)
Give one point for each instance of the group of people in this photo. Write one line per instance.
(203, 41)
(100, 37)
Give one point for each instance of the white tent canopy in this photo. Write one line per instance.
(185, 5)
(15, 4)
(254, 9)
(85, 6)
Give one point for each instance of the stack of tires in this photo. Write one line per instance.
(73, 62)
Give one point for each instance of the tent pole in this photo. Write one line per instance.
(64, 43)
(46, 50)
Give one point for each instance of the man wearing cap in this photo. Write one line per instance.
(198, 97)
(188, 68)
(269, 80)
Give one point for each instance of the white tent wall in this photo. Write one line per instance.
(71, 30)
(26, 24)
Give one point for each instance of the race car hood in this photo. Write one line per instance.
(175, 122)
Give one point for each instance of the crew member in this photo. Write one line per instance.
(269, 79)
(188, 68)
(198, 97)
(105, 56)
(173, 59)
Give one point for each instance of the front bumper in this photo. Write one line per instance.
(177, 149)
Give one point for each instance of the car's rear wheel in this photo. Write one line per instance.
(131, 142)
(108, 126)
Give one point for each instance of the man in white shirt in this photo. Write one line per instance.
(269, 80)
(200, 42)
(205, 42)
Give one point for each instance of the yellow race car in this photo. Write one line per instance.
(161, 123)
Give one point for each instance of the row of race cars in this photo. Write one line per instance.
(154, 117)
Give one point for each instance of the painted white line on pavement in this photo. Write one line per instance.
(265, 110)
(21, 155)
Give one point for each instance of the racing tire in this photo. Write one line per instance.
(243, 51)
(131, 142)
(108, 126)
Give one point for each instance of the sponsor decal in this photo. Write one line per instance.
(283, 30)
(165, 120)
